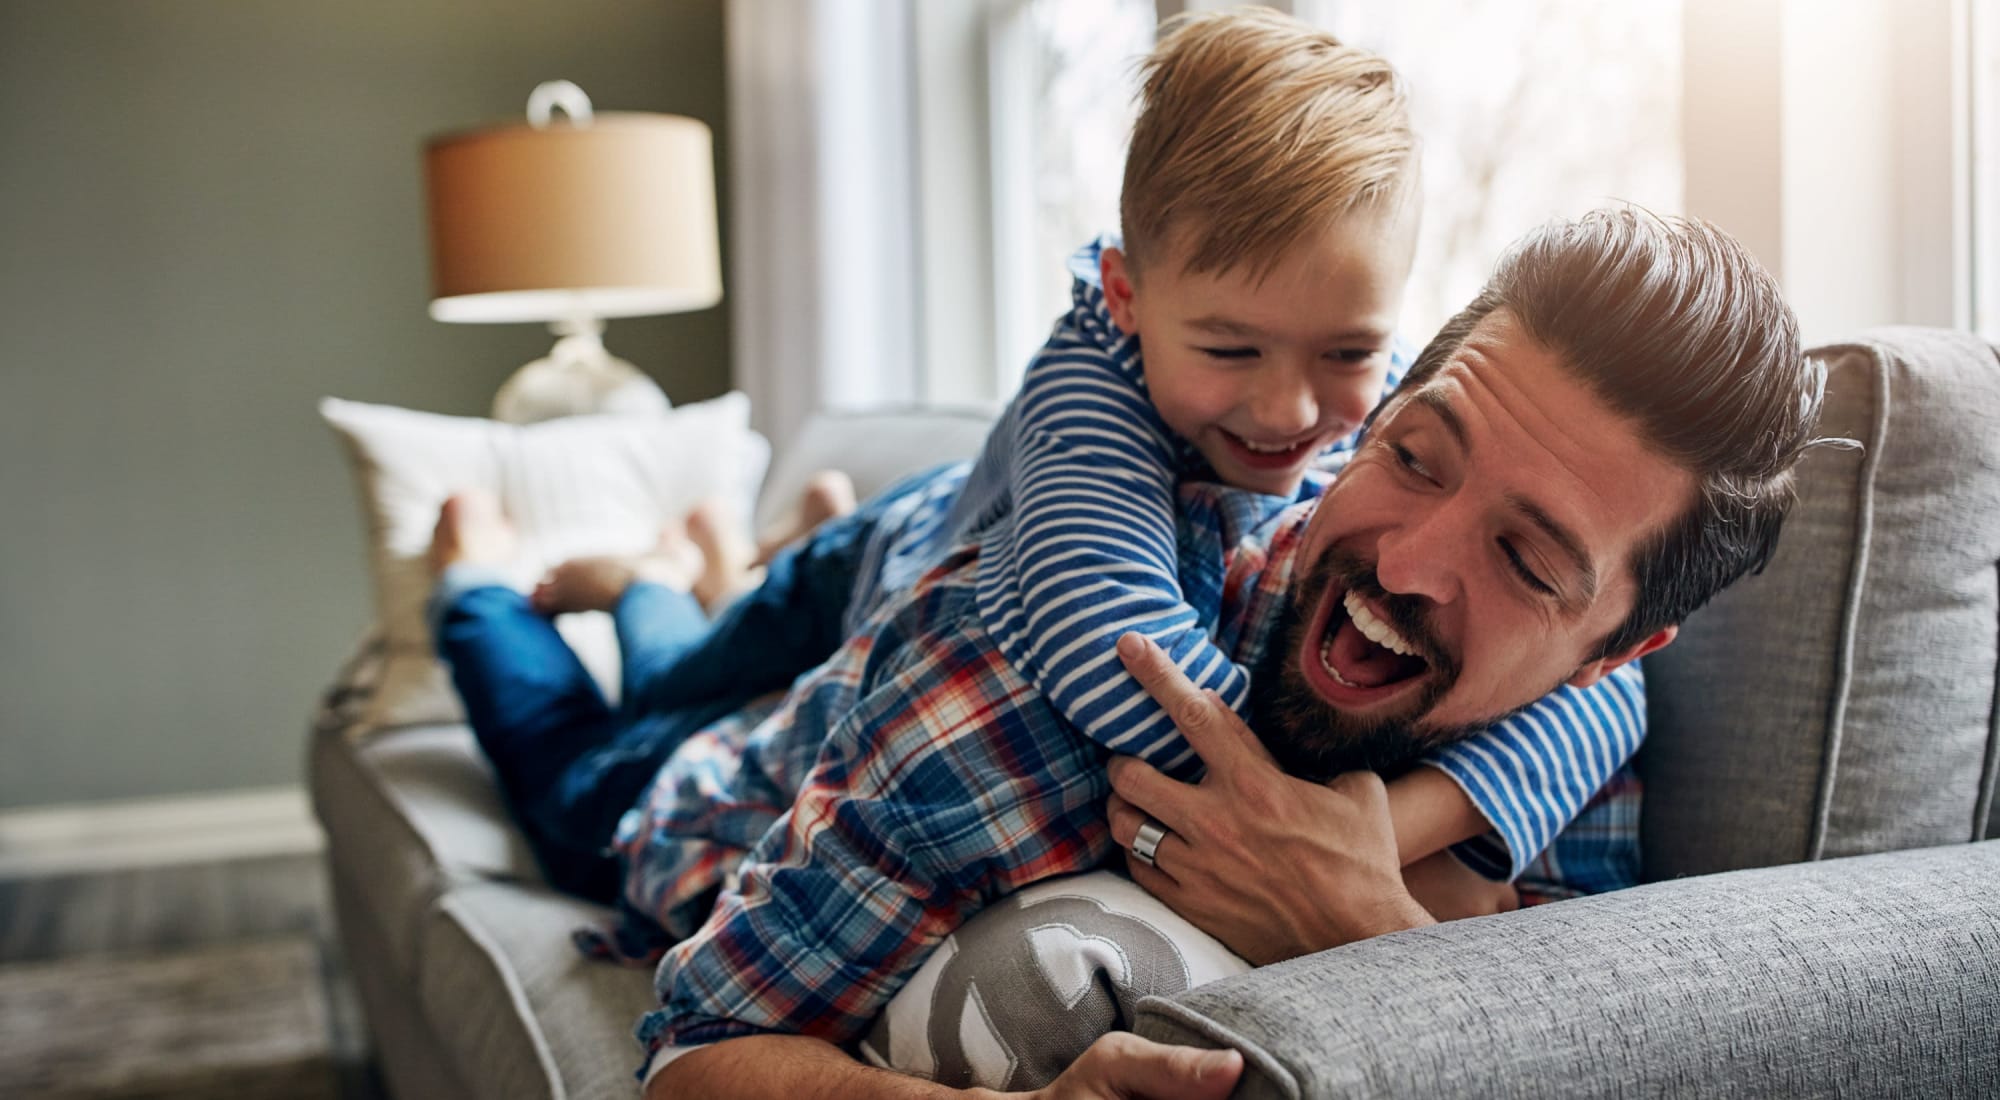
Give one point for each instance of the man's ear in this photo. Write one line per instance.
(1116, 275)
(1598, 669)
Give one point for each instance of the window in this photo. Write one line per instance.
(1064, 76)
(1497, 90)
(1527, 111)
(1799, 116)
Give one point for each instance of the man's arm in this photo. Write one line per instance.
(1120, 1066)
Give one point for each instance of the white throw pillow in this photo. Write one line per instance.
(574, 486)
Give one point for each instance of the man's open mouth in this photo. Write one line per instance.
(1357, 658)
(1270, 456)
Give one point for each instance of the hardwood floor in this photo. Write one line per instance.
(166, 909)
(153, 909)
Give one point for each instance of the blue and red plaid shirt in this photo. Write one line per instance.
(804, 857)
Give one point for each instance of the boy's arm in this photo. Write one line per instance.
(1094, 553)
(1431, 813)
(1536, 769)
(1525, 777)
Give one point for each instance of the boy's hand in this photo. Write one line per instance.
(1273, 866)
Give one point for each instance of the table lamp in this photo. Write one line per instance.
(572, 223)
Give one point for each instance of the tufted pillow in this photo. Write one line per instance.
(574, 486)
(1844, 701)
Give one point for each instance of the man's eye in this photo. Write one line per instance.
(1409, 461)
(1230, 353)
(1520, 565)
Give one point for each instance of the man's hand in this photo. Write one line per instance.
(1274, 867)
(1122, 1066)
(1119, 1066)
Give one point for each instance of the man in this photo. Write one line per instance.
(1602, 441)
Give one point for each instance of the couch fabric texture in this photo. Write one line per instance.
(1841, 704)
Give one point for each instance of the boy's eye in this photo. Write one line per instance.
(1520, 566)
(1356, 355)
(1229, 353)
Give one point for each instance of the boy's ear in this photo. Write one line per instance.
(1116, 275)
(1596, 670)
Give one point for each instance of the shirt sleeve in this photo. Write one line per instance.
(1532, 773)
(1093, 553)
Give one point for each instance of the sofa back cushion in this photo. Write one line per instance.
(874, 447)
(1844, 701)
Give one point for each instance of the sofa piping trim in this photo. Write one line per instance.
(1864, 532)
(1254, 1055)
(1982, 810)
(1989, 772)
(516, 996)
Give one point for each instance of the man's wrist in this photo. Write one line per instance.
(1391, 909)
(1397, 911)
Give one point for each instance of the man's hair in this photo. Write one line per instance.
(1254, 131)
(1674, 325)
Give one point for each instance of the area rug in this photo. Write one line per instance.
(247, 1020)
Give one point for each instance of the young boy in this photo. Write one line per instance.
(1269, 209)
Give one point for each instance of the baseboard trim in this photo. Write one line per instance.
(147, 832)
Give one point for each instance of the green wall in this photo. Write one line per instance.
(210, 215)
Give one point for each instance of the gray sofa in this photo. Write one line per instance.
(1823, 916)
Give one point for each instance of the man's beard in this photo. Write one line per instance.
(1307, 735)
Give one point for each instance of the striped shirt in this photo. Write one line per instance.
(1072, 502)
(803, 859)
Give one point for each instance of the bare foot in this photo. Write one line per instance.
(829, 494)
(471, 528)
(598, 583)
(727, 554)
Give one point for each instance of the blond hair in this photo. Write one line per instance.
(1255, 130)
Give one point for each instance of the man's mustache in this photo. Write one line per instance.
(1409, 616)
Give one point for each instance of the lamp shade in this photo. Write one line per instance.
(614, 217)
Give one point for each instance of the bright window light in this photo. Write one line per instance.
(1528, 110)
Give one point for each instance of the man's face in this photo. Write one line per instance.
(1263, 374)
(1471, 556)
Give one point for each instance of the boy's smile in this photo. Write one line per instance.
(1262, 370)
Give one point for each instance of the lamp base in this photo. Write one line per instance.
(577, 378)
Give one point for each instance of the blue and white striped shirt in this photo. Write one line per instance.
(1073, 502)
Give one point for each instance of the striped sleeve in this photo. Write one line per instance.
(1091, 553)
(1532, 773)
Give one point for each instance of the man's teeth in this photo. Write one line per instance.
(1374, 629)
(1326, 662)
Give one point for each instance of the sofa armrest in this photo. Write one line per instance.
(1866, 976)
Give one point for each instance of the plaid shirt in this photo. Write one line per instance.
(805, 858)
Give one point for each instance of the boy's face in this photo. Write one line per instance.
(1261, 375)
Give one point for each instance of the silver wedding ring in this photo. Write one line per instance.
(1146, 842)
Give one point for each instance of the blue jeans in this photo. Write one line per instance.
(569, 764)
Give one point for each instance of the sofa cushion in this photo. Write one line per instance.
(1844, 701)
(411, 813)
(874, 448)
(1871, 976)
(520, 1009)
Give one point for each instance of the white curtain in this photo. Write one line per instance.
(822, 265)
